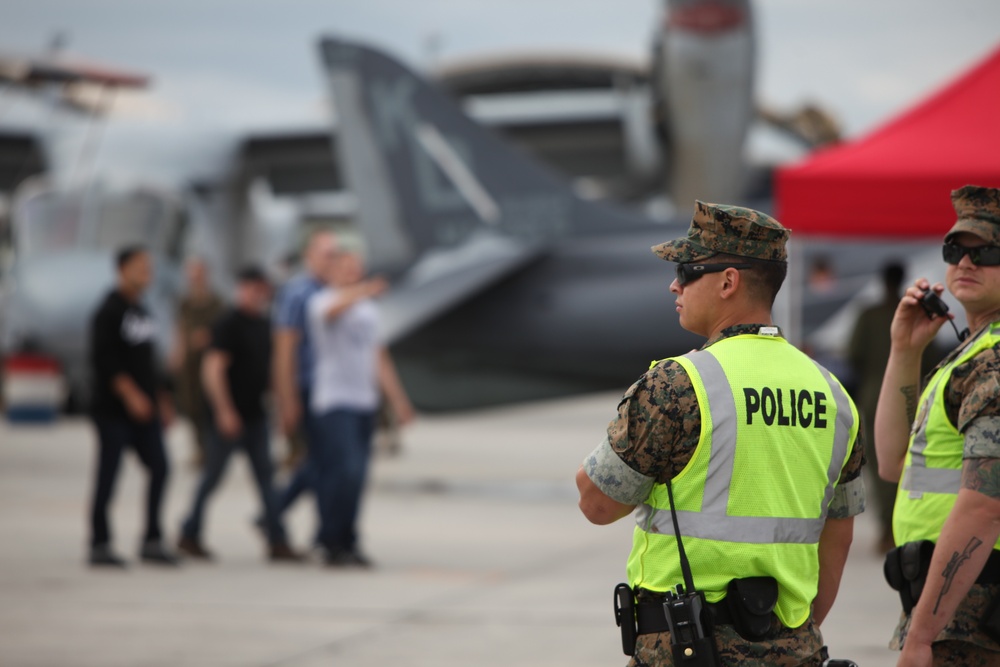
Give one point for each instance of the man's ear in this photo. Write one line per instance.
(730, 283)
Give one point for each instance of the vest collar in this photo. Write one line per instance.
(753, 329)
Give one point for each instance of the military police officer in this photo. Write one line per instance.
(759, 447)
(946, 448)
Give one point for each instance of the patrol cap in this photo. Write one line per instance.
(978, 211)
(730, 230)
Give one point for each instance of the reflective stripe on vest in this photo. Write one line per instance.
(713, 521)
(917, 477)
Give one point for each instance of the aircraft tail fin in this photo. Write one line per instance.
(428, 177)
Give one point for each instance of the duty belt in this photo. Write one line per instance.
(650, 617)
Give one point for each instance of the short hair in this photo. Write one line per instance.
(892, 276)
(252, 273)
(766, 276)
(126, 253)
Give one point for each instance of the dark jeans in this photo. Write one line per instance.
(340, 448)
(114, 434)
(255, 441)
(304, 477)
(302, 480)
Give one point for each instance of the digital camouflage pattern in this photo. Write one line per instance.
(978, 211)
(962, 636)
(974, 389)
(659, 424)
(730, 230)
(958, 654)
(786, 647)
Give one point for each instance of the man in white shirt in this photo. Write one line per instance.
(352, 370)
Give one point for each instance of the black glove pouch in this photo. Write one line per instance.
(751, 603)
(905, 570)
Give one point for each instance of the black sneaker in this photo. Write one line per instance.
(155, 553)
(347, 558)
(338, 558)
(191, 547)
(359, 559)
(102, 556)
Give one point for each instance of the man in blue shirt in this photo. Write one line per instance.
(293, 354)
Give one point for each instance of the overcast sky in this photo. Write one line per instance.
(238, 64)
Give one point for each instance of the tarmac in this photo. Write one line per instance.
(482, 558)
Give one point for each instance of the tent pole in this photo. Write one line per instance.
(788, 304)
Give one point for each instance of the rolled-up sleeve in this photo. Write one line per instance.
(614, 477)
(848, 499)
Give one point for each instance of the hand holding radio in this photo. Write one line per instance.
(933, 305)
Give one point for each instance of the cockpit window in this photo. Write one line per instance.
(133, 219)
(51, 223)
(59, 222)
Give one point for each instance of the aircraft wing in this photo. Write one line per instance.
(445, 277)
(34, 71)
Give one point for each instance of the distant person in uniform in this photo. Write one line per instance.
(867, 354)
(198, 310)
(353, 370)
(237, 377)
(759, 446)
(822, 277)
(943, 447)
(129, 408)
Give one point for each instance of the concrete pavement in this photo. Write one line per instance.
(482, 559)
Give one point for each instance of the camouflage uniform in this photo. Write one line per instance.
(972, 403)
(868, 353)
(658, 427)
(194, 314)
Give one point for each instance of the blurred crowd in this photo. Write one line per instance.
(308, 360)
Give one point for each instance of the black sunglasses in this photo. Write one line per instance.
(687, 273)
(984, 255)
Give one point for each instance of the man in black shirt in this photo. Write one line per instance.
(236, 377)
(125, 406)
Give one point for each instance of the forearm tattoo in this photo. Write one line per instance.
(982, 475)
(909, 393)
(951, 569)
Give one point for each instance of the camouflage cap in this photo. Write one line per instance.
(978, 211)
(730, 230)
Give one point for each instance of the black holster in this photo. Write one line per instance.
(905, 570)
(625, 617)
(751, 602)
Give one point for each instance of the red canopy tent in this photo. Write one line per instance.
(896, 181)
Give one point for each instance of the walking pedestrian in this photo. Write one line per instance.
(129, 407)
(236, 373)
(353, 370)
(197, 311)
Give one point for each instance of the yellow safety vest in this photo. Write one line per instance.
(776, 430)
(932, 473)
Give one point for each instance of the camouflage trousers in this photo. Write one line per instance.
(963, 654)
(787, 647)
(962, 642)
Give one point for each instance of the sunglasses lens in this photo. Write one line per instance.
(682, 275)
(988, 256)
(951, 253)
